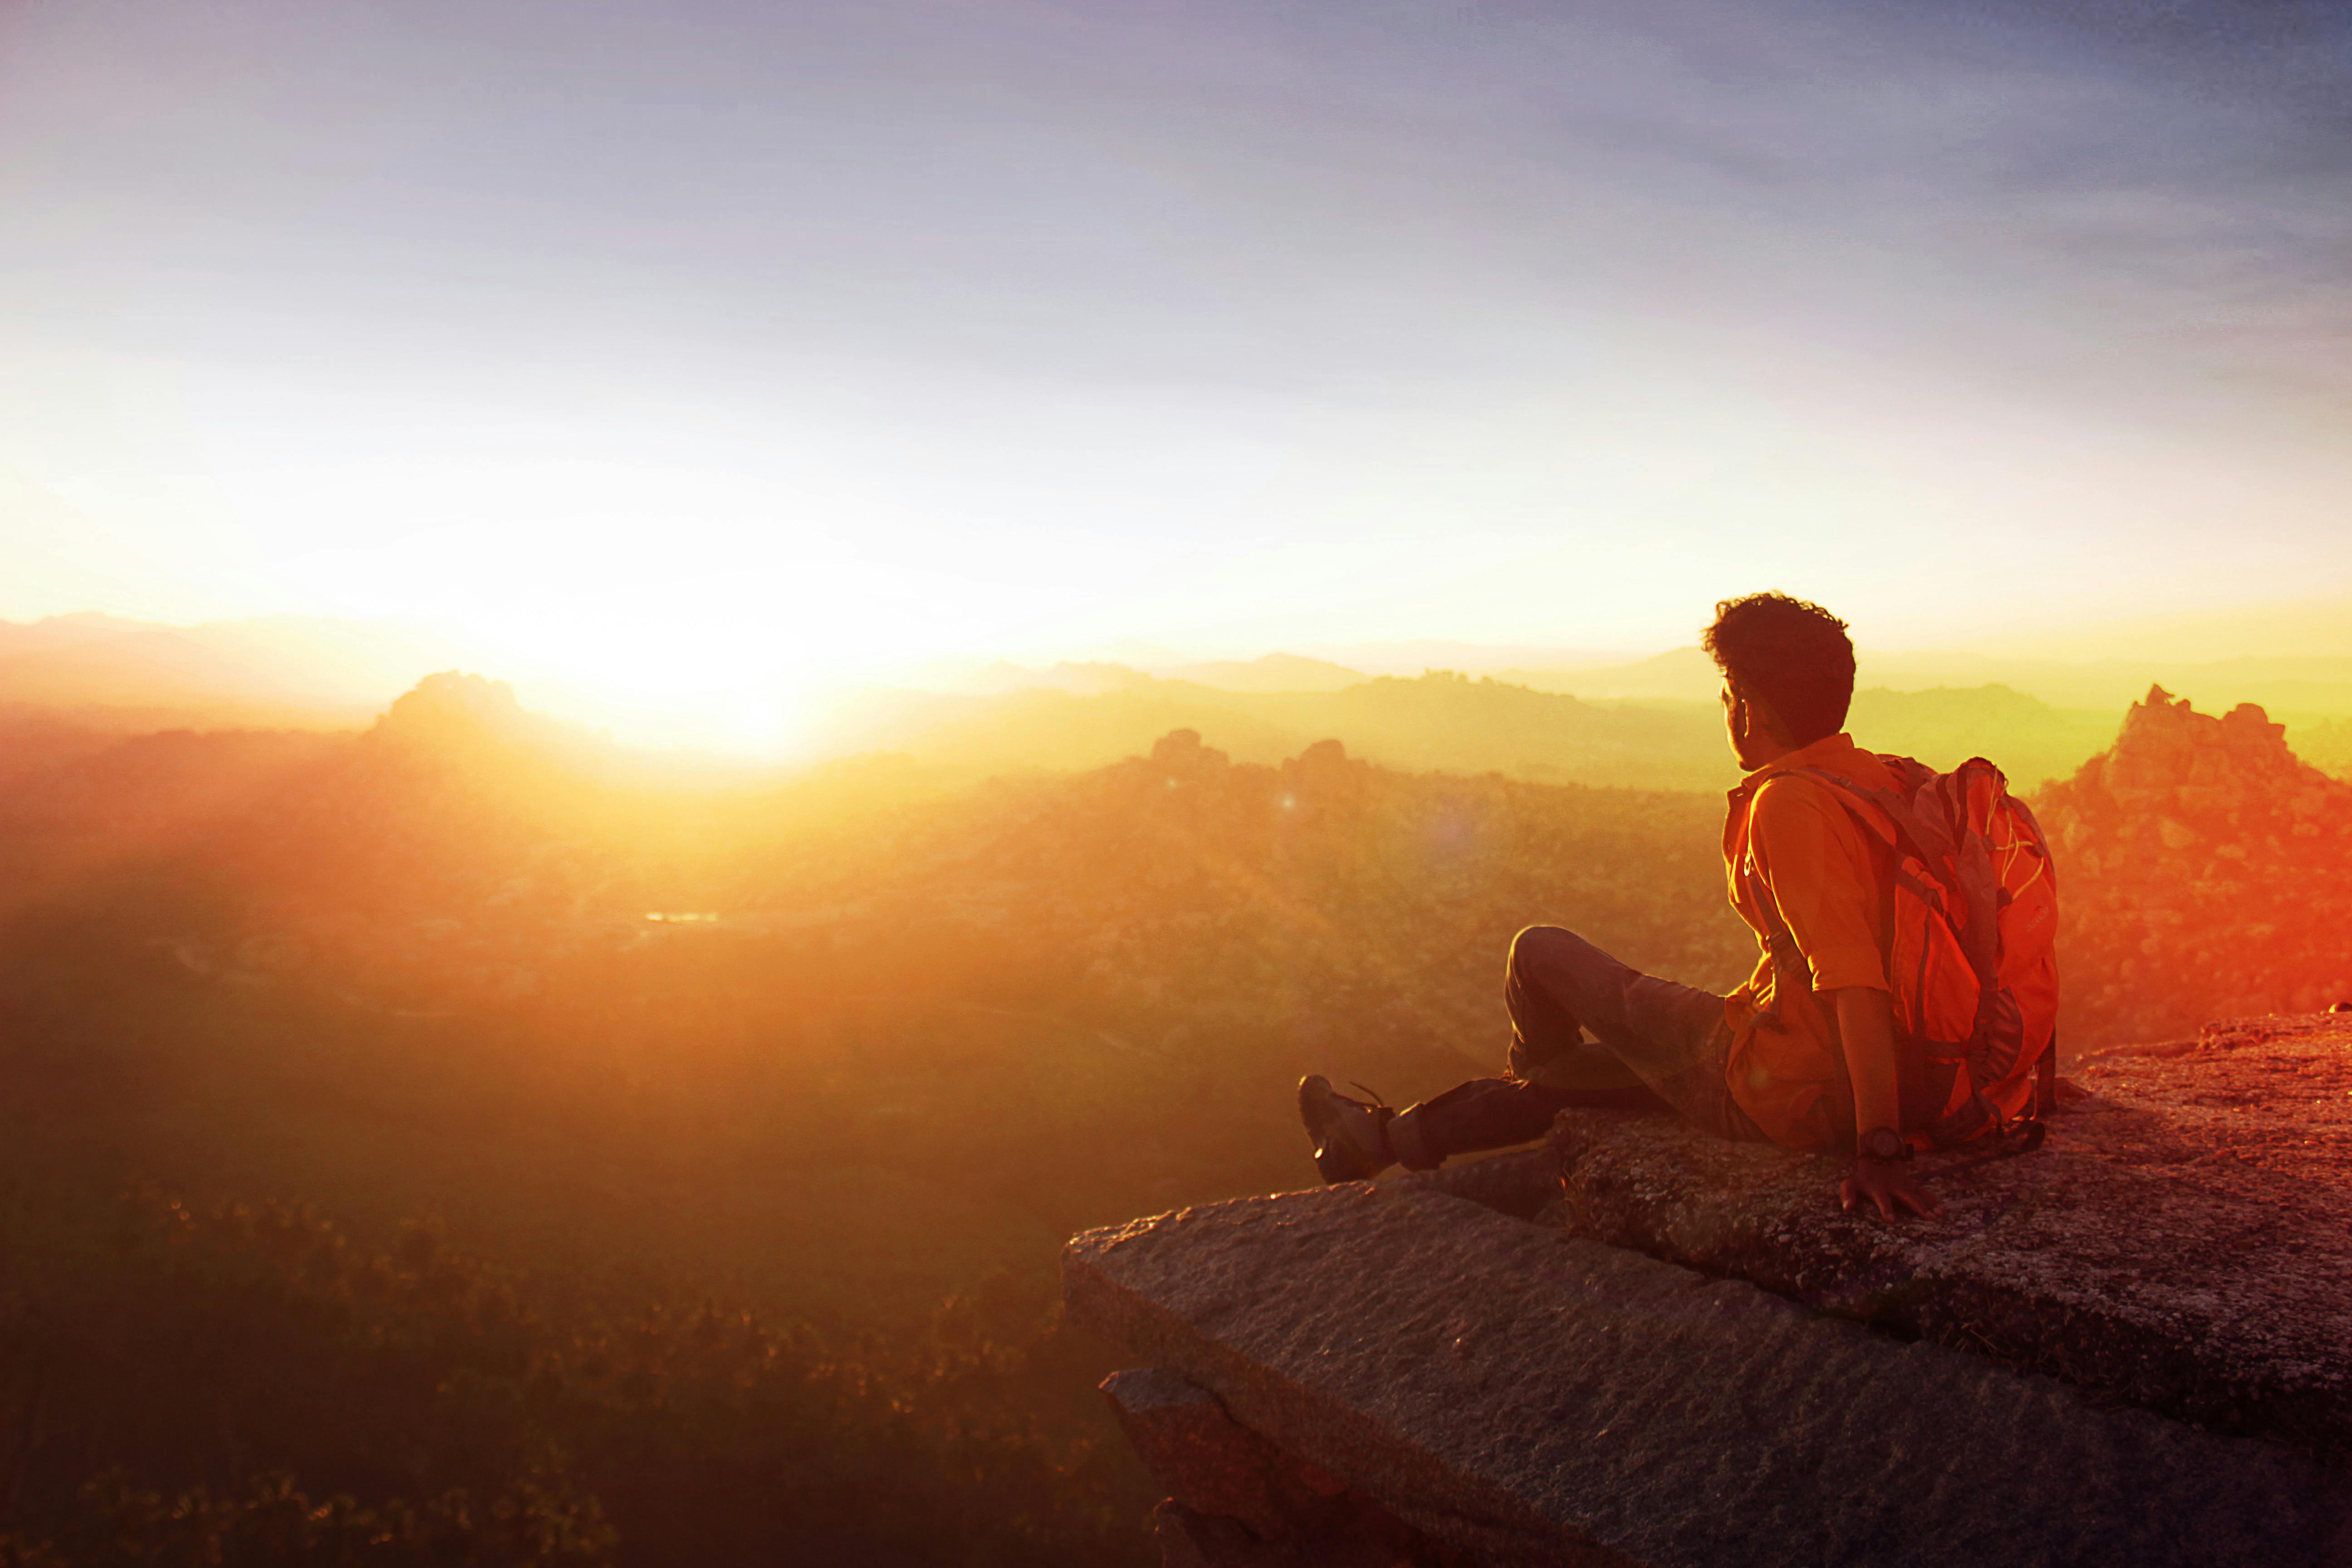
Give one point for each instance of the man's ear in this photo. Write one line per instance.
(1762, 719)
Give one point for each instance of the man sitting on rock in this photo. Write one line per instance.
(1588, 1031)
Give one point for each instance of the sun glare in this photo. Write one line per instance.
(630, 627)
(677, 702)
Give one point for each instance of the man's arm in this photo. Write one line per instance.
(1866, 1020)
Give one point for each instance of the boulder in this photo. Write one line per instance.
(1520, 1394)
(2182, 1242)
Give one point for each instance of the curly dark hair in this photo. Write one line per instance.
(1792, 656)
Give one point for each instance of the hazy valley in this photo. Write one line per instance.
(740, 1114)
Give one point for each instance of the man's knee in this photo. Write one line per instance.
(1544, 1022)
(1535, 943)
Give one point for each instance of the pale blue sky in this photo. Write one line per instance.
(699, 336)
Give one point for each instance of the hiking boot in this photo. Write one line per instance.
(1352, 1136)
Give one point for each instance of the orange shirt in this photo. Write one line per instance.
(1815, 864)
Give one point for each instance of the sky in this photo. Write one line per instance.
(693, 345)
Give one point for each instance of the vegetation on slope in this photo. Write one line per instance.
(882, 1050)
(677, 1171)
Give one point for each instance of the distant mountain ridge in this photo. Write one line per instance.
(85, 627)
(1650, 723)
(1079, 717)
(1275, 672)
(1439, 721)
(307, 671)
(2313, 686)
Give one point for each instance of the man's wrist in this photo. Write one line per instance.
(1884, 1145)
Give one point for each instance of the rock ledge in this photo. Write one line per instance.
(1638, 1345)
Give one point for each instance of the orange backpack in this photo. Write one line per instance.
(1970, 899)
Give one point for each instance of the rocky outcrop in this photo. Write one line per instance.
(1240, 1502)
(2205, 872)
(2182, 1242)
(1214, 1465)
(1520, 1395)
(2131, 1346)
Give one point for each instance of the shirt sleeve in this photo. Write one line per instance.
(1816, 869)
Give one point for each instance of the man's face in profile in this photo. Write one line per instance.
(1746, 729)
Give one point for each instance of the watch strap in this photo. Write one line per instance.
(1883, 1143)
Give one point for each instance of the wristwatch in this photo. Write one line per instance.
(1883, 1143)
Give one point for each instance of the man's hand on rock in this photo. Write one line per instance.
(1865, 1017)
(1886, 1185)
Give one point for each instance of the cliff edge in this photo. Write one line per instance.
(1638, 1345)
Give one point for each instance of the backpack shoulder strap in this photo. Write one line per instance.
(1791, 972)
(1892, 814)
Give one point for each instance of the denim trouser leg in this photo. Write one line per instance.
(1656, 1043)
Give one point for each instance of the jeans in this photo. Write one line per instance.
(1656, 1045)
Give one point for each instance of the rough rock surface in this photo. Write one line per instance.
(1190, 1539)
(1523, 1395)
(2183, 1242)
(1214, 1465)
(1522, 1182)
